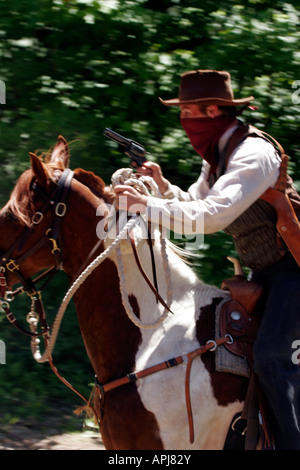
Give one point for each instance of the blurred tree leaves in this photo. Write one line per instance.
(73, 68)
(76, 67)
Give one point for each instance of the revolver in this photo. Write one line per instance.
(133, 149)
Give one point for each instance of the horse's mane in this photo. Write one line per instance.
(95, 184)
(21, 204)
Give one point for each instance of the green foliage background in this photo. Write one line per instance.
(76, 67)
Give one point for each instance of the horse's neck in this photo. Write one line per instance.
(79, 238)
(111, 338)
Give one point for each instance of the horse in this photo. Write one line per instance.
(139, 411)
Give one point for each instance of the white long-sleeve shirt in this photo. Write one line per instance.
(252, 168)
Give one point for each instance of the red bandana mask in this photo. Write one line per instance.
(204, 135)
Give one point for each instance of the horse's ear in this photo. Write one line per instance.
(39, 170)
(60, 153)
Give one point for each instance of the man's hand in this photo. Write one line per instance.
(153, 169)
(130, 200)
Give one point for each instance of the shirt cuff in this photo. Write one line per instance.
(168, 194)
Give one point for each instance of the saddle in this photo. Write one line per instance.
(240, 318)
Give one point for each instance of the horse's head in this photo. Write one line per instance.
(50, 210)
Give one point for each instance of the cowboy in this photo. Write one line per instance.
(240, 165)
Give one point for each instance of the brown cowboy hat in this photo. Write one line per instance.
(206, 87)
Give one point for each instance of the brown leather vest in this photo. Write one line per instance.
(254, 232)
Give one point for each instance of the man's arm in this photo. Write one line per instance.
(252, 168)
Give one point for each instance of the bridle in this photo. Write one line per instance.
(55, 202)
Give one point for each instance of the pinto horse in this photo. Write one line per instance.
(149, 413)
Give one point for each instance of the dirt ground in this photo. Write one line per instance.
(50, 435)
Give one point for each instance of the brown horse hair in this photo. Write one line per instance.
(20, 204)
